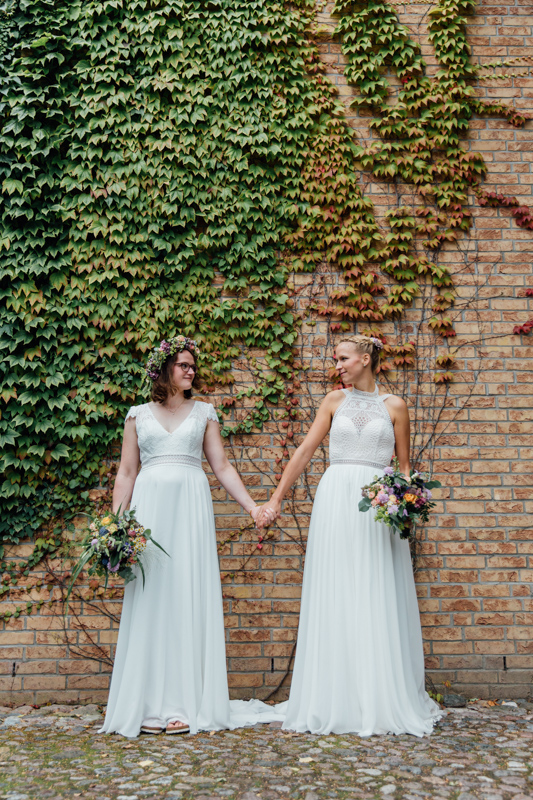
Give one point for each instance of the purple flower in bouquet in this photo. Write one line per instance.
(112, 538)
(389, 495)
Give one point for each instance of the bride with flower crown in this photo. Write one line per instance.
(170, 664)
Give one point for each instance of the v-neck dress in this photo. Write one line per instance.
(170, 660)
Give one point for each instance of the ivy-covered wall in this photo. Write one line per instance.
(164, 165)
(263, 177)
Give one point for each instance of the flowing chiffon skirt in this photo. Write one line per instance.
(359, 664)
(170, 659)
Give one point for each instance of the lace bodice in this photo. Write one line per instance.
(362, 430)
(182, 446)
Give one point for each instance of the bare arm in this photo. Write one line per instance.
(303, 454)
(224, 471)
(128, 468)
(399, 414)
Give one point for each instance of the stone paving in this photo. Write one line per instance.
(482, 751)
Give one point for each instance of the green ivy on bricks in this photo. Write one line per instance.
(151, 158)
(165, 164)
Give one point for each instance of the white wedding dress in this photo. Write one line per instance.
(359, 663)
(170, 660)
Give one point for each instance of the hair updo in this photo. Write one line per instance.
(366, 344)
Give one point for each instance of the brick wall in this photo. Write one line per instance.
(474, 568)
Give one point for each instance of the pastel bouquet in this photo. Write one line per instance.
(113, 544)
(398, 501)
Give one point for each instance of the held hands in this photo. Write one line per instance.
(264, 516)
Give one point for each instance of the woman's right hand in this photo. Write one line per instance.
(268, 513)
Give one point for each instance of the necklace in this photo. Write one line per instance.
(176, 409)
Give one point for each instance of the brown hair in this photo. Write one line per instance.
(364, 344)
(164, 387)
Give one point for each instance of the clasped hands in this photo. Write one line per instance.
(265, 515)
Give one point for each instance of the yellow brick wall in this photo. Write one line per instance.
(474, 567)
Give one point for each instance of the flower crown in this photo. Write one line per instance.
(166, 350)
(376, 342)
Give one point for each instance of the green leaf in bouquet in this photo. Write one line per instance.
(142, 571)
(433, 484)
(158, 545)
(127, 574)
(364, 504)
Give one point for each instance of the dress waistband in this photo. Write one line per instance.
(360, 461)
(187, 461)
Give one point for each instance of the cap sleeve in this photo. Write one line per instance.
(211, 413)
(138, 413)
(132, 413)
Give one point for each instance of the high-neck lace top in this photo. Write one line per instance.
(182, 446)
(362, 431)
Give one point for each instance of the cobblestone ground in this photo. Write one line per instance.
(481, 751)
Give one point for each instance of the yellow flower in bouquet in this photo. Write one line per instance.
(139, 544)
(399, 502)
(113, 546)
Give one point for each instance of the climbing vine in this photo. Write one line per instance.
(149, 153)
(167, 165)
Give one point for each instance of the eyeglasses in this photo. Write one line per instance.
(185, 366)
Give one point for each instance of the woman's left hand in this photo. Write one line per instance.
(263, 516)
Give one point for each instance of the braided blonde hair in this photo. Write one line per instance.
(366, 344)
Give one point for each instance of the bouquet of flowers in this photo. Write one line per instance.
(399, 502)
(114, 543)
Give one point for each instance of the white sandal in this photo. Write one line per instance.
(183, 727)
(148, 729)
